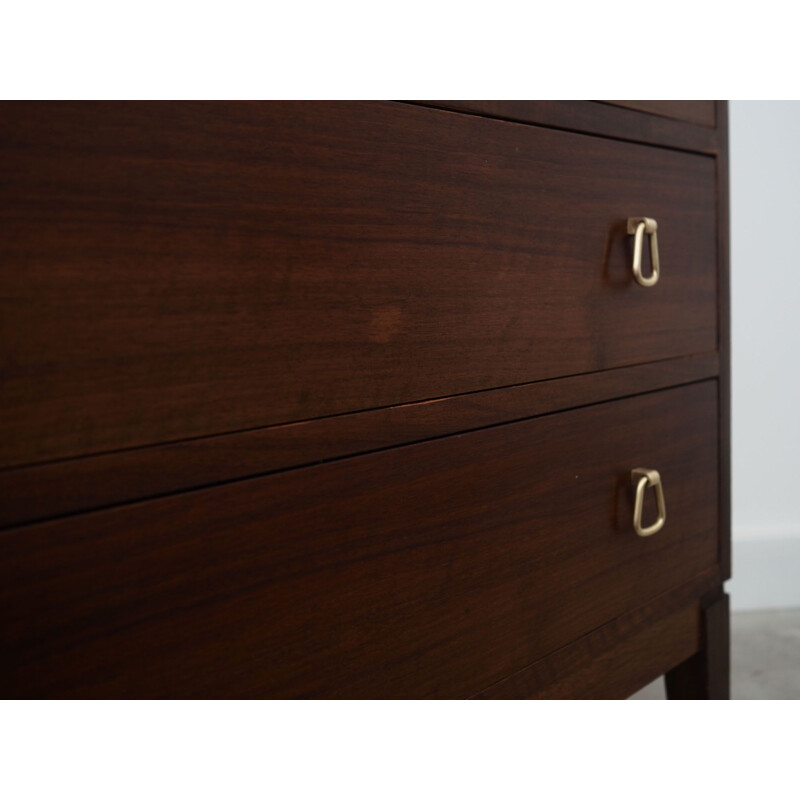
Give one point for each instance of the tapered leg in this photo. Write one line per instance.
(706, 675)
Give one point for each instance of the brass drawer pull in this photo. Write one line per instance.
(643, 479)
(638, 227)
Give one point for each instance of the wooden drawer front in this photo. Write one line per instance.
(432, 570)
(176, 270)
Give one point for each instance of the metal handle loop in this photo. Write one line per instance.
(644, 479)
(638, 227)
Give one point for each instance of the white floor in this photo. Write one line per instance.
(765, 657)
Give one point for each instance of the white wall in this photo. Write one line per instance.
(765, 310)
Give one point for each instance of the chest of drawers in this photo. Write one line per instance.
(364, 399)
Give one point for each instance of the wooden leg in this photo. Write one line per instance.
(706, 675)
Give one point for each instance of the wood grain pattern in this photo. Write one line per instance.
(432, 570)
(599, 118)
(34, 493)
(172, 271)
(196, 294)
(699, 112)
(617, 672)
(617, 659)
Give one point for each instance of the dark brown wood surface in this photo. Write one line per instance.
(615, 660)
(706, 674)
(594, 117)
(724, 344)
(432, 570)
(700, 112)
(180, 281)
(66, 487)
(615, 673)
(172, 271)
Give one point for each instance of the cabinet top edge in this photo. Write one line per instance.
(634, 121)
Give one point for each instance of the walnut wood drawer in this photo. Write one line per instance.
(172, 271)
(432, 570)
